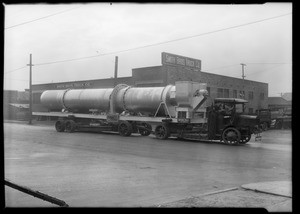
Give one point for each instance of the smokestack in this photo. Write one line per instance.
(116, 71)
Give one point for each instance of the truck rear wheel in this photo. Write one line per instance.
(264, 126)
(125, 128)
(231, 136)
(60, 126)
(162, 132)
(145, 131)
(70, 126)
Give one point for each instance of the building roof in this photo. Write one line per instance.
(23, 95)
(287, 96)
(17, 105)
(231, 100)
(278, 101)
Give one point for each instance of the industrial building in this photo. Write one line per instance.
(173, 68)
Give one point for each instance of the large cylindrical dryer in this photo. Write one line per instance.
(144, 99)
(76, 99)
(85, 99)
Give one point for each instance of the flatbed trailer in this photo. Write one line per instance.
(162, 127)
(176, 110)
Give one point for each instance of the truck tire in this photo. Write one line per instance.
(264, 126)
(60, 126)
(245, 139)
(146, 131)
(70, 126)
(125, 128)
(162, 132)
(231, 136)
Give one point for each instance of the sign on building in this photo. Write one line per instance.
(172, 59)
(73, 85)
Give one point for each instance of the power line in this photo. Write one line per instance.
(263, 70)
(24, 80)
(16, 79)
(54, 14)
(268, 63)
(266, 69)
(221, 67)
(15, 70)
(165, 42)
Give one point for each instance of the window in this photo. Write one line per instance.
(36, 98)
(250, 110)
(262, 96)
(226, 93)
(220, 92)
(208, 90)
(234, 94)
(250, 95)
(242, 94)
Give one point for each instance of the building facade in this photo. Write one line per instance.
(174, 68)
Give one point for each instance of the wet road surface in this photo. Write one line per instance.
(108, 170)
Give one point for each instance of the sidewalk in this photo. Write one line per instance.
(34, 122)
(273, 196)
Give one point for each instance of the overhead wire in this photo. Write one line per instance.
(13, 70)
(44, 17)
(165, 42)
(220, 67)
(263, 70)
(150, 45)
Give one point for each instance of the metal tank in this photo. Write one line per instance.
(120, 98)
(126, 98)
(76, 99)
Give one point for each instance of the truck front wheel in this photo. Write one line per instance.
(245, 139)
(231, 136)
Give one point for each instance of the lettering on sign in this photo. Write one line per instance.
(180, 61)
(172, 59)
(190, 63)
(73, 85)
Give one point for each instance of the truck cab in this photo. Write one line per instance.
(228, 121)
(264, 116)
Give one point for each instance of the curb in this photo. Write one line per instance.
(219, 191)
(201, 195)
(266, 192)
(277, 188)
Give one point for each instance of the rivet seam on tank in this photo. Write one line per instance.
(63, 98)
(163, 95)
(116, 89)
(124, 105)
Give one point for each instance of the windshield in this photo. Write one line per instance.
(239, 108)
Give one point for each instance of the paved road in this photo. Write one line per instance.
(107, 170)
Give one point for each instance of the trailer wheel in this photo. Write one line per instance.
(125, 128)
(264, 126)
(60, 126)
(146, 130)
(231, 136)
(70, 126)
(245, 139)
(162, 132)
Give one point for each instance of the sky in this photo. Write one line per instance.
(70, 42)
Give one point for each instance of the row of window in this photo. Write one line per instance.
(224, 93)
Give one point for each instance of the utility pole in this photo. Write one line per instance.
(30, 89)
(243, 76)
(116, 71)
(243, 70)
